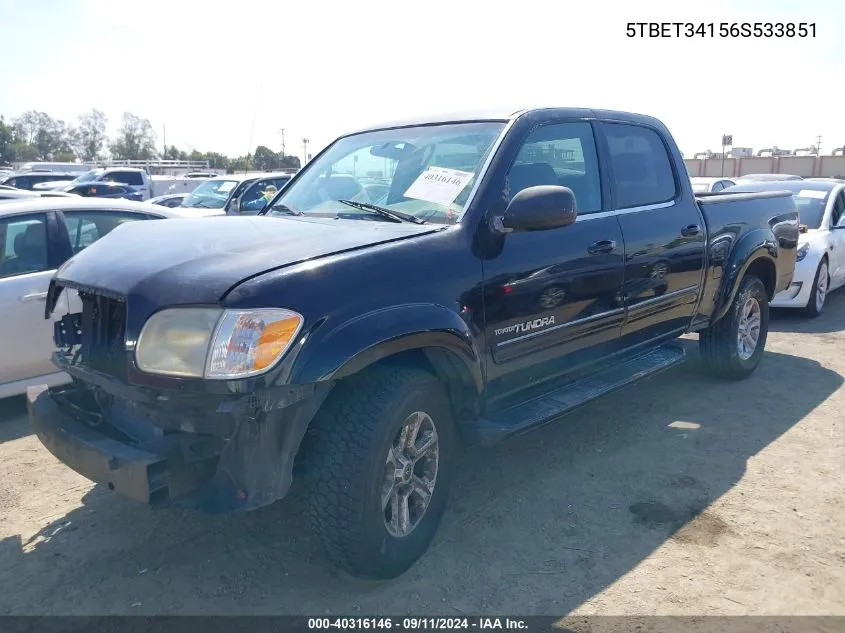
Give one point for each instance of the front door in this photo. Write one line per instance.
(837, 238)
(664, 233)
(26, 266)
(552, 299)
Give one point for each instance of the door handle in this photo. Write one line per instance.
(35, 296)
(602, 247)
(691, 230)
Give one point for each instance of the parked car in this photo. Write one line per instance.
(766, 178)
(820, 265)
(236, 194)
(61, 167)
(138, 180)
(28, 180)
(103, 190)
(710, 185)
(352, 338)
(36, 237)
(170, 200)
(9, 195)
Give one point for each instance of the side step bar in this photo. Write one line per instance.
(547, 408)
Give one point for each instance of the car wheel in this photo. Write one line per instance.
(821, 283)
(733, 347)
(380, 457)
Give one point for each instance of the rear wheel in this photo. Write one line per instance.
(380, 455)
(733, 347)
(815, 303)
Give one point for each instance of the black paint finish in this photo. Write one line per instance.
(496, 315)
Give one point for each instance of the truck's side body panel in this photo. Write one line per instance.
(500, 314)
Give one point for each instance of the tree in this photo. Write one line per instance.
(289, 162)
(264, 158)
(90, 135)
(6, 138)
(136, 139)
(43, 133)
(23, 152)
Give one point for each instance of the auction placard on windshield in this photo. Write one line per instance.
(438, 184)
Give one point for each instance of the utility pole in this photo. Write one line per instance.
(282, 132)
(819, 145)
(164, 139)
(304, 151)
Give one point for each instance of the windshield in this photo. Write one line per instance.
(88, 176)
(811, 204)
(424, 171)
(212, 194)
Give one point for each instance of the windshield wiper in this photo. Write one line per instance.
(398, 216)
(199, 204)
(281, 208)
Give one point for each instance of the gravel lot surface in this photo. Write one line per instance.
(680, 495)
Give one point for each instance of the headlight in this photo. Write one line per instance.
(802, 251)
(212, 343)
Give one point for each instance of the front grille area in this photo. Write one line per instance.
(103, 330)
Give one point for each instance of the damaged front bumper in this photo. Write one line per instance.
(214, 453)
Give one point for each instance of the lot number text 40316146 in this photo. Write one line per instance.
(721, 29)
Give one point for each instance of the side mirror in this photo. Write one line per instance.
(540, 208)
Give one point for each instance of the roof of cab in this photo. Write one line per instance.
(505, 115)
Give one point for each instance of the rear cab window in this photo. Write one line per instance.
(132, 178)
(641, 169)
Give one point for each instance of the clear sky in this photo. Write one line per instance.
(210, 70)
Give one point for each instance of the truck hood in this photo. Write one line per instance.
(184, 261)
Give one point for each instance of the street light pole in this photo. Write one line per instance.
(304, 151)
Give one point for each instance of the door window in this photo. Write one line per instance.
(85, 227)
(260, 193)
(559, 154)
(24, 242)
(838, 217)
(642, 170)
(132, 178)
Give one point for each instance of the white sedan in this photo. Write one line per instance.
(820, 266)
(701, 184)
(37, 235)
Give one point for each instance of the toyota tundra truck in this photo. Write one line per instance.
(515, 266)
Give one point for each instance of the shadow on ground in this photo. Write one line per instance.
(13, 420)
(831, 320)
(536, 525)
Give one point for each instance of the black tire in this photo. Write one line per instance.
(718, 344)
(812, 309)
(346, 449)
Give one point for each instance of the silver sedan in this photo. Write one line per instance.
(37, 235)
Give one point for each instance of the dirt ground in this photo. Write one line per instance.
(681, 495)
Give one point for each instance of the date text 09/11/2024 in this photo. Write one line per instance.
(721, 29)
(418, 623)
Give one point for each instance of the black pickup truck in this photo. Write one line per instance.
(416, 287)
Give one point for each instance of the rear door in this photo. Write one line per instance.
(663, 230)
(30, 252)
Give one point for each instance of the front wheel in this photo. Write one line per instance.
(733, 347)
(380, 456)
(819, 292)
